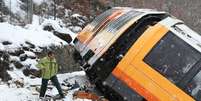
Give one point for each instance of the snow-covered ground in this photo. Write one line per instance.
(14, 38)
(17, 37)
(28, 92)
(34, 34)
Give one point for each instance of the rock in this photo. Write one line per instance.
(32, 57)
(23, 57)
(65, 37)
(36, 73)
(75, 29)
(1, 53)
(6, 43)
(30, 45)
(33, 72)
(37, 89)
(17, 52)
(48, 28)
(18, 65)
(26, 72)
(30, 54)
(32, 77)
(10, 68)
(64, 57)
(25, 48)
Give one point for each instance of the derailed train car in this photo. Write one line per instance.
(140, 54)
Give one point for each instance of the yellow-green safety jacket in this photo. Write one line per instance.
(48, 67)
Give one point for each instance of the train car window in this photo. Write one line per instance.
(194, 87)
(117, 24)
(172, 57)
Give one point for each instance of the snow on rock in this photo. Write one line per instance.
(29, 53)
(57, 25)
(30, 62)
(40, 23)
(18, 36)
(76, 29)
(14, 58)
(76, 15)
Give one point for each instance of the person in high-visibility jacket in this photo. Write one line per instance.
(49, 69)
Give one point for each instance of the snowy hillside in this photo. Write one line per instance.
(20, 47)
(17, 37)
(13, 38)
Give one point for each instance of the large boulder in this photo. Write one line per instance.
(64, 57)
(18, 65)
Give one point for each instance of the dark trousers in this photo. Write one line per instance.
(55, 83)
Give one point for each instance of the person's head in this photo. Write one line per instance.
(50, 54)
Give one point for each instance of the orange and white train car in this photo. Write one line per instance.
(141, 54)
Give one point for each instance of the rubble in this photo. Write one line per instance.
(88, 95)
(16, 83)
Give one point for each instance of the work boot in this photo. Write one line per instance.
(41, 99)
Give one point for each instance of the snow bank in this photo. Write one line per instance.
(29, 94)
(18, 36)
(56, 24)
(39, 23)
(14, 94)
